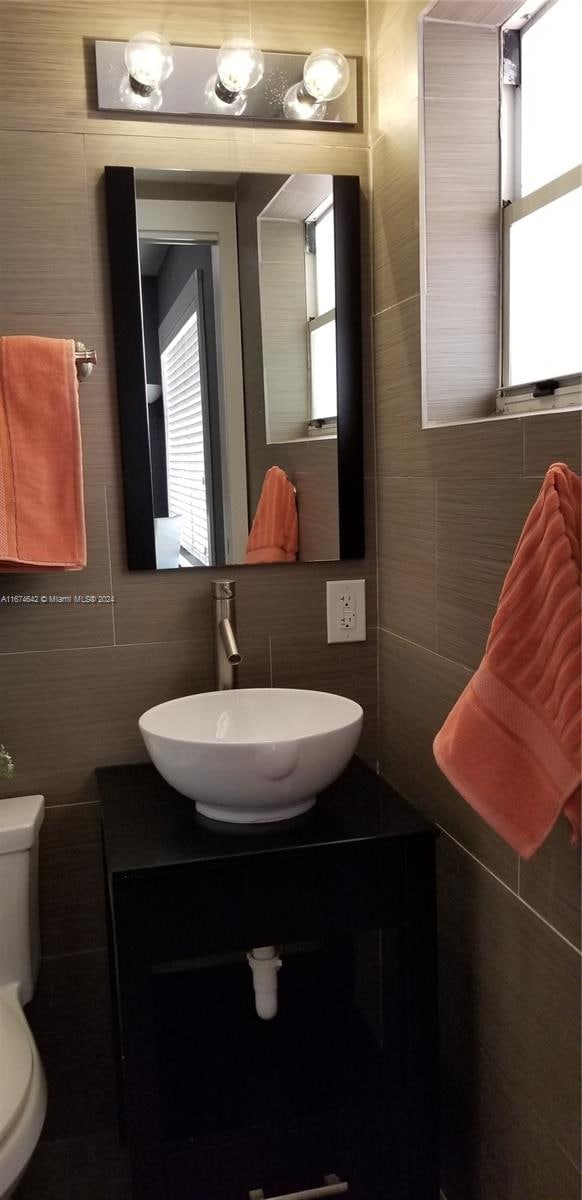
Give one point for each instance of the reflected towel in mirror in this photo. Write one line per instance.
(274, 536)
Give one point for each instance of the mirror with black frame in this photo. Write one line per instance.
(236, 307)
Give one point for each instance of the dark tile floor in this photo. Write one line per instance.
(78, 1157)
(87, 1168)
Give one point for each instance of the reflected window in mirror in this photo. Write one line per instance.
(320, 276)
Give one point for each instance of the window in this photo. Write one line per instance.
(321, 332)
(185, 440)
(542, 211)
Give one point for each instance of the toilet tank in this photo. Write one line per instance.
(20, 821)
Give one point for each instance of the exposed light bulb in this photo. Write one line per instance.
(298, 105)
(234, 107)
(240, 66)
(149, 62)
(326, 74)
(150, 101)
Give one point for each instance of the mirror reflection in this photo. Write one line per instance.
(238, 295)
(250, 357)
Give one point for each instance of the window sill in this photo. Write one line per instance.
(321, 437)
(535, 408)
(525, 404)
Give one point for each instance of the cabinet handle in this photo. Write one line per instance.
(332, 1186)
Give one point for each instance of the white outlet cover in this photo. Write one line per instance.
(346, 610)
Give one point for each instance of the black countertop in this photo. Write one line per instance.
(149, 826)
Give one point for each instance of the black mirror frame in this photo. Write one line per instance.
(121, 208)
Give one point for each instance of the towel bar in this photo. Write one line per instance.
(85, 360)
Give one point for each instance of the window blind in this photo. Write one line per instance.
(186, 467)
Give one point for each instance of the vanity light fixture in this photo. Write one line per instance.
(149, 63)
(235, 80)
(326, 75)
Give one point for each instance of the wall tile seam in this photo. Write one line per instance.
(372, 281)
(380, 311)
(436, 565)
(75, 804)
(101, 950)
(395, 117)
(577, 950)
(109, 561)
(457, 477)
(362, 142)
(453, 97)
(96, 646)
(516, 893)
(309, 631)
(428, 650)
(464, 24)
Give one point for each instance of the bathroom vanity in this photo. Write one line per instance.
(340, 1087)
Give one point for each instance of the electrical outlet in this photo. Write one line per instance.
(346, 610)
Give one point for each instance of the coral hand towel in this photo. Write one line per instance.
(511, 744)
(274, 536)
(42, 522)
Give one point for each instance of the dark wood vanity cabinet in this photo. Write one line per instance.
(215, 1103)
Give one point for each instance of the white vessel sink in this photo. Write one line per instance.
(257, 754)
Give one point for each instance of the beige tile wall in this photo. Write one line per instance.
(73, 679)
(451, 503)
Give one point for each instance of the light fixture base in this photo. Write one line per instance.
(141, 89)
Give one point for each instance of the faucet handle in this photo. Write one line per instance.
(223, 589)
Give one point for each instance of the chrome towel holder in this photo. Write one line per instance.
(85, 360)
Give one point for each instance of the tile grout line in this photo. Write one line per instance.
(112, 605)
(96, 646)
(436, 565)
(399, 304)
(387, 128)
(74, 805)
(509, 889)
(75, 953)
(131, 645)
(373, 382)
(409, 642)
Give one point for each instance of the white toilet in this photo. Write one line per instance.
(22, 1081)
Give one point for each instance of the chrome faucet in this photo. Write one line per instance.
(226, 649)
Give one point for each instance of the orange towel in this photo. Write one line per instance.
(274, 536)
(511, 744)
(42, 521)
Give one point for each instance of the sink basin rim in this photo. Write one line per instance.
(354, 712)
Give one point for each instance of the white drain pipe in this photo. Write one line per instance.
(265, 963)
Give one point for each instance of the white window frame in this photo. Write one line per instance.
(318, 320)
(525, 397)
